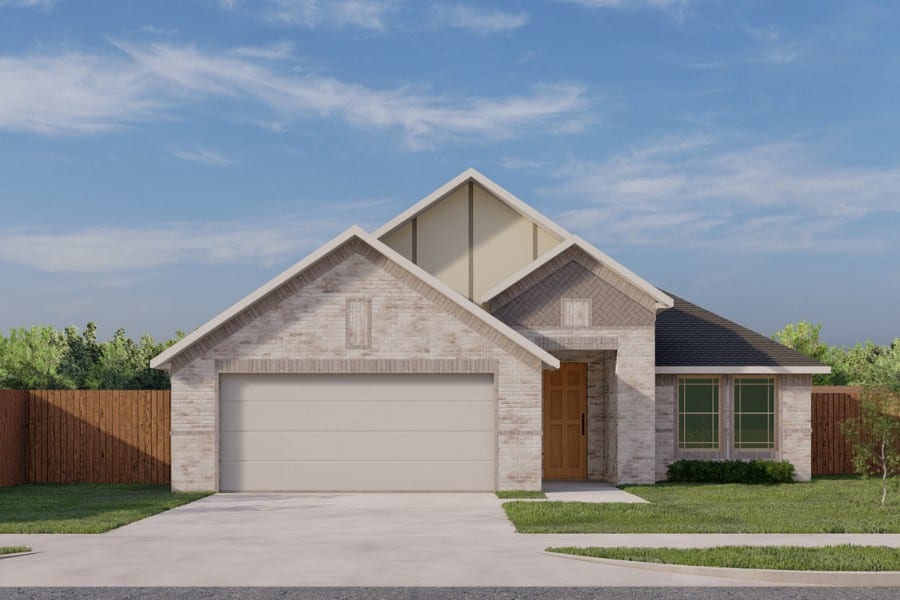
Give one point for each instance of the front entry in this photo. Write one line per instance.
(565, 412)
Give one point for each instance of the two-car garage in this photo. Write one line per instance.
(357, 432)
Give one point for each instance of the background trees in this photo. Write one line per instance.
(868, 364)
(44, 357)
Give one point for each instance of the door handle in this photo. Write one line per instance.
(582, 423)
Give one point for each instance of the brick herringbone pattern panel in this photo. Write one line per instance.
(540, 305)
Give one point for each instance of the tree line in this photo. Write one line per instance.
(869, 364)
(44, 357)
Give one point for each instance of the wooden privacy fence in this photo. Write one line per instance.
(831, 405)
(96, 436)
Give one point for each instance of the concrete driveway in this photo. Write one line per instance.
(322, 540)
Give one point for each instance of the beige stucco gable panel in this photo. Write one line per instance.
(471, 238)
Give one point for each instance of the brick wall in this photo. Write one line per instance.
(792, 421)
(414, 329)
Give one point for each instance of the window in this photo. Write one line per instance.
(698, 413)
(754, 412)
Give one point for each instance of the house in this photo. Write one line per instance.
(472, 344)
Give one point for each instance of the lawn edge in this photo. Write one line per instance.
(815, 578)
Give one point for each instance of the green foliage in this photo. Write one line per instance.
(865, 364)
(825, 505)
(731, 471)
(83, 507)
(875, 436)
(46, 358)
(797, 558)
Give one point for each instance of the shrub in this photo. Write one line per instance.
(731, 471)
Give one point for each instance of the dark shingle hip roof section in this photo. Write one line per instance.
(688, 335)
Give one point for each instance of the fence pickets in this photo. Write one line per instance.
(84, 436)
(831, 454)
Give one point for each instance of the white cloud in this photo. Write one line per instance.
(482, 21)
(623, 4)
(80, 93)
(277, 51)
(41, 4)
(123, 249)
(365, 14)
(704, 192)
(202, 156)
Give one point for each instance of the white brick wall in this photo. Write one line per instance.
(793, 437)
(303, 326)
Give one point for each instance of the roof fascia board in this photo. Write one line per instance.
(470, 307)
(161, 360)
(167, 355)
(662, 300)
(748, 370)
(471, 174)
(526, 270)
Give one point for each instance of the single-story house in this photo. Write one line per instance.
(471, 343)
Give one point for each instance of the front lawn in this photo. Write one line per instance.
(521, 494)
(797, 558)
(825, 505)
(83, 507)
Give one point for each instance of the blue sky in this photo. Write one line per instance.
(160, 160)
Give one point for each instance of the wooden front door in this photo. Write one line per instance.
(565, 412)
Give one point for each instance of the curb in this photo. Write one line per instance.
(17, 554)
(836, 578)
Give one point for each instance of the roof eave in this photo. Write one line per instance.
(745, 370)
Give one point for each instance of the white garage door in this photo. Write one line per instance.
(357, 432)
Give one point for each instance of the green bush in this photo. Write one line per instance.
(731, 471)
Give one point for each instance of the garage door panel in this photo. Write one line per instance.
(357, 432)
(360, 388)
(356, 445)
(463, 476)
(355, 415)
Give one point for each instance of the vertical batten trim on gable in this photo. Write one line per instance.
(471, 239)
(534, 241)
(414, 226)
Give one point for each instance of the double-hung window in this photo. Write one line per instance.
(754, 412)
(698, 413)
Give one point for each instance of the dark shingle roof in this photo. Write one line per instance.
(687, 335)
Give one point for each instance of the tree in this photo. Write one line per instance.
(875, 435)
(804, 338)
(30, 359)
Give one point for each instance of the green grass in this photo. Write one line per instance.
(825, 505)
(514, 494)
(83, 507)
(796, 558)
(13, 549)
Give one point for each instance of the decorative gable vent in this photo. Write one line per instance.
(359, 323)
(575, 312)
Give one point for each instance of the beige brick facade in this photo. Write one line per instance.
(618, 344)
(301, 327)
(792, 423)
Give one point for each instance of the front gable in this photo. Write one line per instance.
(471, 235)
(573, 290)
(312, 307)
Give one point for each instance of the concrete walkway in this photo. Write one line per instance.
(588, 491)
(348, 540)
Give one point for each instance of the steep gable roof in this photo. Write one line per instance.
(164, 359)
(662, 300)
(568, 239)
(472, 175)
(688, 336)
